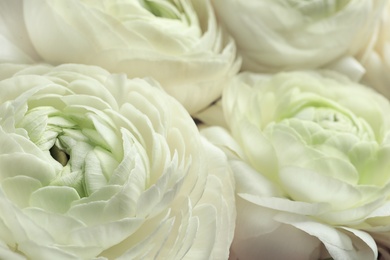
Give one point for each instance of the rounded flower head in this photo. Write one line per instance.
(94, 165)
(311, 157)
(289, 34)
(177, 42)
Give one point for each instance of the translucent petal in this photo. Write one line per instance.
(16, 164)
(19, 189)
(282, 204)
(57, 225)
(106, 235)
(259, 150)
(138, 244)
(54, 198)
(206, 236)
(36, 250)
(7, 253)
(339, 244)
(310, 186)
(284, 242)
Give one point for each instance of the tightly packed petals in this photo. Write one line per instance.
(177, 42)
(98, 166)
(310, 154)
(283, 35)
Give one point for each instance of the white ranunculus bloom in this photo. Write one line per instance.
(15, 44)
(377, 61)
(291, 34)
(177, 42)
(310, 152)
(98, 166)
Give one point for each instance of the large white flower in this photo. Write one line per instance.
(292, 34)
(94, 165)
(311, 157)
(377, 61)
(177, 42)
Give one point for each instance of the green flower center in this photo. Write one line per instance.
(80, 140)
(165, 9)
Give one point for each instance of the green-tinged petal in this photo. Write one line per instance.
(258, 149)
(57, 199)
(8, 253)
(19, 189)
(15, 164)
(34, 249)
(63, 227)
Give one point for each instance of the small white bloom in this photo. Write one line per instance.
(177, 42)
(94, 165)
(311, 157)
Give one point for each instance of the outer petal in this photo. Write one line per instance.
(15, 43)
(377, 60)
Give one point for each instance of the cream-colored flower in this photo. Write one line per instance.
(377, 61)
(98, 166)
(283, 35)
(310, 153)
(177, 42)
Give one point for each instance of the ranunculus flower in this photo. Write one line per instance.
(15, 44)
(310, 152)
(377, 61)
(288, 34)
(179, 43)
(98, 166)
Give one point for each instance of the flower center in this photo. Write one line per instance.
(59, 155)
(164, 9)
(80, 139)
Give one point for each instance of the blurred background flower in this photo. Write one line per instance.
(177, 42)
(377, 61)
(281, 35)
